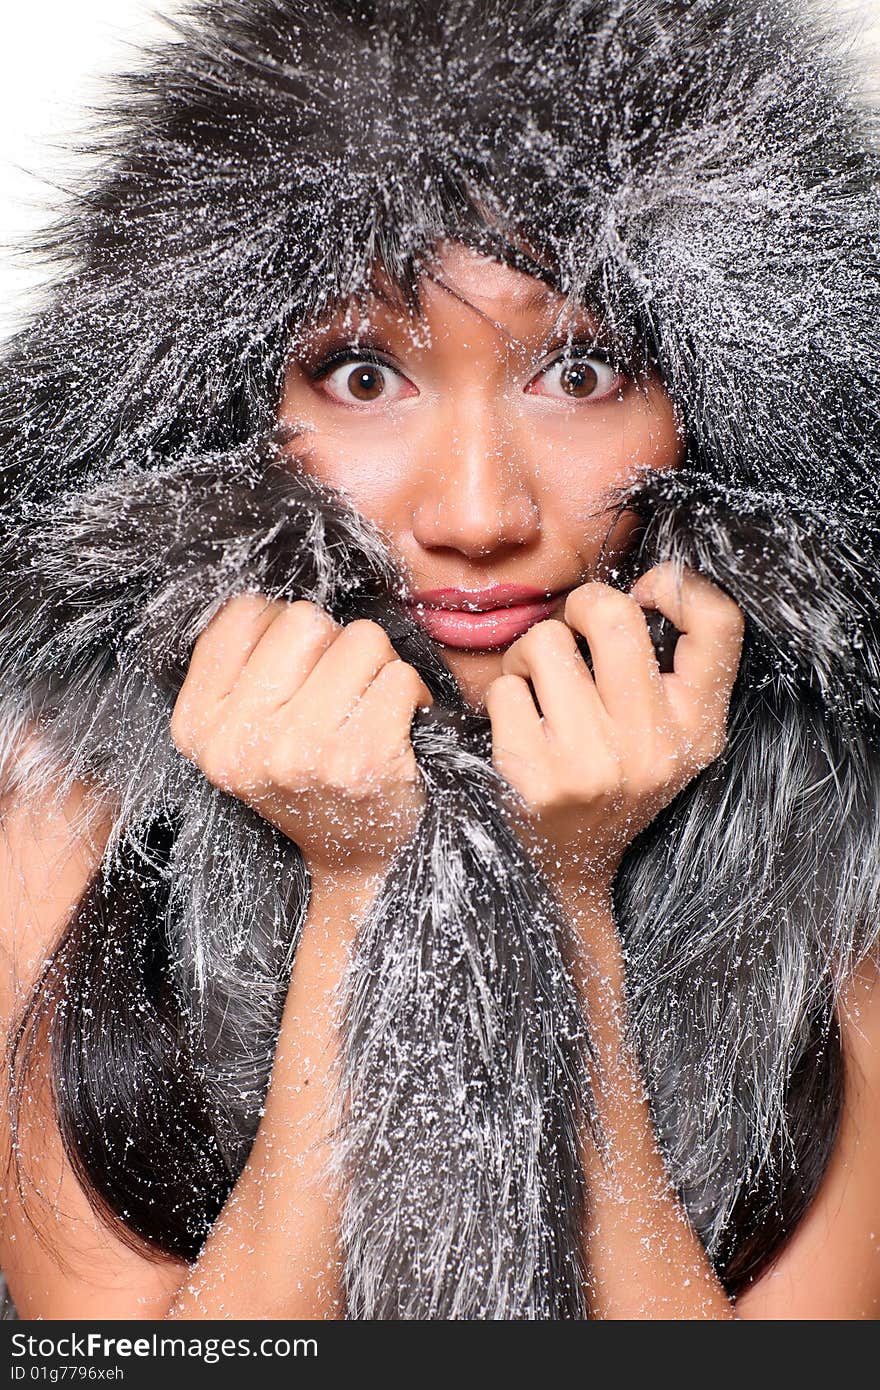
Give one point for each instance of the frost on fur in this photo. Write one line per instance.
(699, 173)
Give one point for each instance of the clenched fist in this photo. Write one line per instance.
(607, 751)
(309, 723)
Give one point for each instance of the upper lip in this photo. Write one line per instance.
(480, 600)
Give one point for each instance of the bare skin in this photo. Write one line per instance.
(480, 470)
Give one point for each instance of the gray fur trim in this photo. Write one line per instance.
(700, 170)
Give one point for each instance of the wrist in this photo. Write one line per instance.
(354, 879)
(575, 874)
(588, 905)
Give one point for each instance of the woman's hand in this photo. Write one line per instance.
(605, 754)
(308, 722)
(608, 751)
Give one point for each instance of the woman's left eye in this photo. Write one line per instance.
(577, 377)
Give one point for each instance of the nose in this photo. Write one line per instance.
(476, 494)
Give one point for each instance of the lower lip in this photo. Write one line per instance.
(481, 631)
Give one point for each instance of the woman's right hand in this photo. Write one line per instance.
(309, 723)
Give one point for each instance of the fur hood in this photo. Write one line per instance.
(700, 170)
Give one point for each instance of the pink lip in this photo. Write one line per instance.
(481, 619)
(478, 600)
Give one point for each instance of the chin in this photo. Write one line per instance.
(474, 671)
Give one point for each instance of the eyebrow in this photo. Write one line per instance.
(394, 301)
(536, 298)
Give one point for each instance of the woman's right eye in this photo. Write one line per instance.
(354, 380)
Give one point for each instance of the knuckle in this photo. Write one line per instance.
(663, 569)
(396, 684)
(716, 601)
(250, 602)
(247, 607)
(501, 687)
(590, 592)
(253, 599)
(309, 614)
(579, 599)
(179, 729)
(215, 765)
(726, 613)
(733, 620)
(605, 601)
(606, 778)
(552, 630)
(191, 731)
(364, 631)
(712, 744)
(417, 693)
(403, 769)
(204, 639)
(284, 768)
(403, 684)
(511, 658)
(185, 745)
(548, 635)
(405, 677)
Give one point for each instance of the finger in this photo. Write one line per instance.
(286, 654)
(547, 655)
(518, 738)
(225, 644)
(345, 670)
(389, 703)
(708, 651)
(625, 668)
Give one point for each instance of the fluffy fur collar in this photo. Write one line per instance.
(697, 168)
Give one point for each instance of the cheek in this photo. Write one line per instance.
(371, 477)
(372, 466)
(581, 458)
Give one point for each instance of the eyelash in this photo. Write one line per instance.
(365, 353)
(350, 354)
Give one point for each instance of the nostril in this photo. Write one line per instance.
(478, 527)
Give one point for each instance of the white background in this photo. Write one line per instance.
(52, 59)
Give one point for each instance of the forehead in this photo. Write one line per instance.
(484, 279)
(457, 280)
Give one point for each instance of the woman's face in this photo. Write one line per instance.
(482, 439)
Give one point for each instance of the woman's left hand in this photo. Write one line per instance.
(608, 751)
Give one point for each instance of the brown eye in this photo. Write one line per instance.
(355, 381)
(365, 382)
(578, 379)
(586, 377)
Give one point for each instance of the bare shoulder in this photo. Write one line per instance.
(831, 1267)
(859, 1014)
(52, 839)
(59, 1258)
